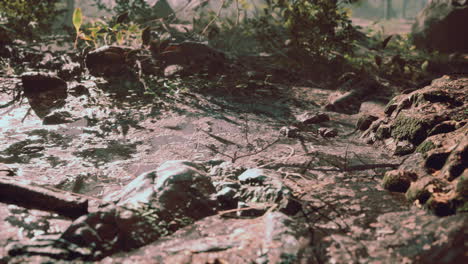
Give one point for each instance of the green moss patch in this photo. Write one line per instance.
(409, 128)
(425, 146)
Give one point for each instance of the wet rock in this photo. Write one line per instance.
(273, 238)
(107, 61)
(397, 181)
(58, 117)
(313, 118)
(327, 132)
(45, 91)
(438, 26)
(290, 132)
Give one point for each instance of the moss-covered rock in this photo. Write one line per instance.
(463, 208)
(421, 190)
(462, 185)
(456, 163)
(396, 181)
(410, 128)
(383, 132)
(391, 106)
(440, 205)
(426, 146)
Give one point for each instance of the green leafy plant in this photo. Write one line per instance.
(315, 29)
(100, 32)
(77, 21)
(302, 31)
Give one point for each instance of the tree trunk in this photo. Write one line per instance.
(404, 7)
(388, 9)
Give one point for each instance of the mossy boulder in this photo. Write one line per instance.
(397, 181)
(426, 146)
(410, 127)
(462, 185)
(422, 189)
(461, 199)
(441, 205)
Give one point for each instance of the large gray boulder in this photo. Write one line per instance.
(441, 26)
(153, 205)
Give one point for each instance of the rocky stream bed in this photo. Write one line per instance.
(92, 171)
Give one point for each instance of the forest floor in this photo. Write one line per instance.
(111, 134)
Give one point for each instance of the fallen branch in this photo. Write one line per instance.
(35, 197)
(337, 169)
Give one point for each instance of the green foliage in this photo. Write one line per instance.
(28, 18)
(138, 10)
(316, 28)
(302, 32)
(100, 32)
(77, 21)
(394, 58)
